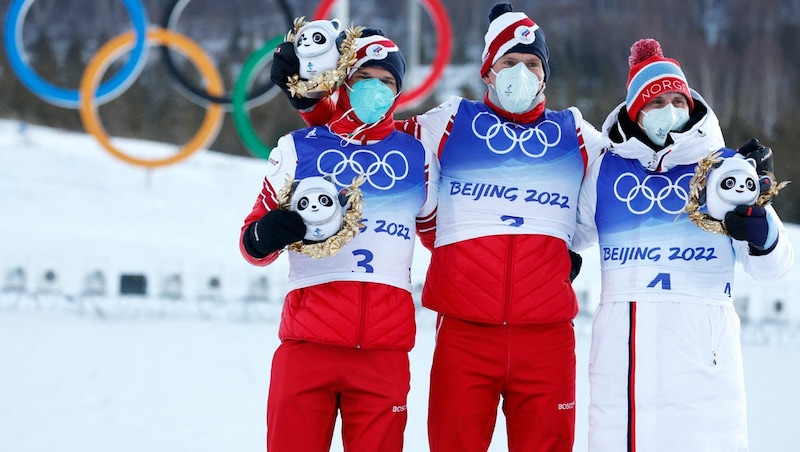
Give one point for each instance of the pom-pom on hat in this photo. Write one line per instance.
(652, 75)
(511, 31)
(375, 49)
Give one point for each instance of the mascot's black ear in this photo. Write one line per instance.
(343, 195)
(702, 198)
(294, 185)
(329, 179)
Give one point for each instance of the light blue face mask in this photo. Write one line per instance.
(371, 99)
(659, 122)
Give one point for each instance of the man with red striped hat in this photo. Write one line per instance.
(348, 320)
(501, 271)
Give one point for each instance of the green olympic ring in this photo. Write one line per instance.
(241, 119)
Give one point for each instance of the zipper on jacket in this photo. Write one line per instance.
(362, 315)
(509, 280)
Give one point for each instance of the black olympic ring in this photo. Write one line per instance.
(195, 93)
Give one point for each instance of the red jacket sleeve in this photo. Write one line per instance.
(267, 200)
(320, 114)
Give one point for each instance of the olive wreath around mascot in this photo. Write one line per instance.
(721, 184)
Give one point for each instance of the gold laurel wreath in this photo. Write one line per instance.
(324, 84)
(698, 183)
(351, 223)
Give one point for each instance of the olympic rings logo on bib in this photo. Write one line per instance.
(380, 173)
(547, 133)
(655, 189)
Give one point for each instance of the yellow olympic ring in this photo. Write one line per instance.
(124, 43)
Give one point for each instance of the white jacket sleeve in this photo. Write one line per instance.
(592, 140)
(282, 163)
(433, 127)
(433, 170)
(586, 229)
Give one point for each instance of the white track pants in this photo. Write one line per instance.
(666, 377)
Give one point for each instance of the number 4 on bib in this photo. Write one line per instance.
(663, 279)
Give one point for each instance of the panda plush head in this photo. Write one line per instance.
(730, 183)
(315, 46)
(320, 205)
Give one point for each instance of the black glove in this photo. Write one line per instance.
(750, 223)
(577, 261)
(284, 65)
(765, 167)
(272, 232)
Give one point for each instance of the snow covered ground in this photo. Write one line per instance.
(185, 367)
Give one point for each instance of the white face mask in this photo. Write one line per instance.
(516, 87)
(659, 122)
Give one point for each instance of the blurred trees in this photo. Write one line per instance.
(741, 55)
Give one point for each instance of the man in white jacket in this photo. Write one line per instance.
(665, 367)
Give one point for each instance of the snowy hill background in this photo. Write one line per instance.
(185, 367)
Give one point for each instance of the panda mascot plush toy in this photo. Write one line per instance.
(321, 206)
(732, 182)
(315, 46)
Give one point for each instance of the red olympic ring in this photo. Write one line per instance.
(444, 47)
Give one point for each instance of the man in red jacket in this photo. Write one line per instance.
(499, 277)
(348, 319)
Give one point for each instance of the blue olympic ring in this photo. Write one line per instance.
(70, 98)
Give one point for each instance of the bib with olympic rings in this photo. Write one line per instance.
(394, 191)
(648, 244)
(499, 177)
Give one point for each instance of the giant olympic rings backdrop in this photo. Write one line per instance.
(212, 95)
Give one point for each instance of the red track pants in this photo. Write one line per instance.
(532, 367)
(312, 382)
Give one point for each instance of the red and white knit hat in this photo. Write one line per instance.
(375, 49)
(511, 31)
(652, 75)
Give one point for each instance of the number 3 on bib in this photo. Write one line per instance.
(366, 256)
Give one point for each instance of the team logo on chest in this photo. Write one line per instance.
(502, 137)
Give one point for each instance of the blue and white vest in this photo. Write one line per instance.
(649, 248)
(500, 177)
(393, 193)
